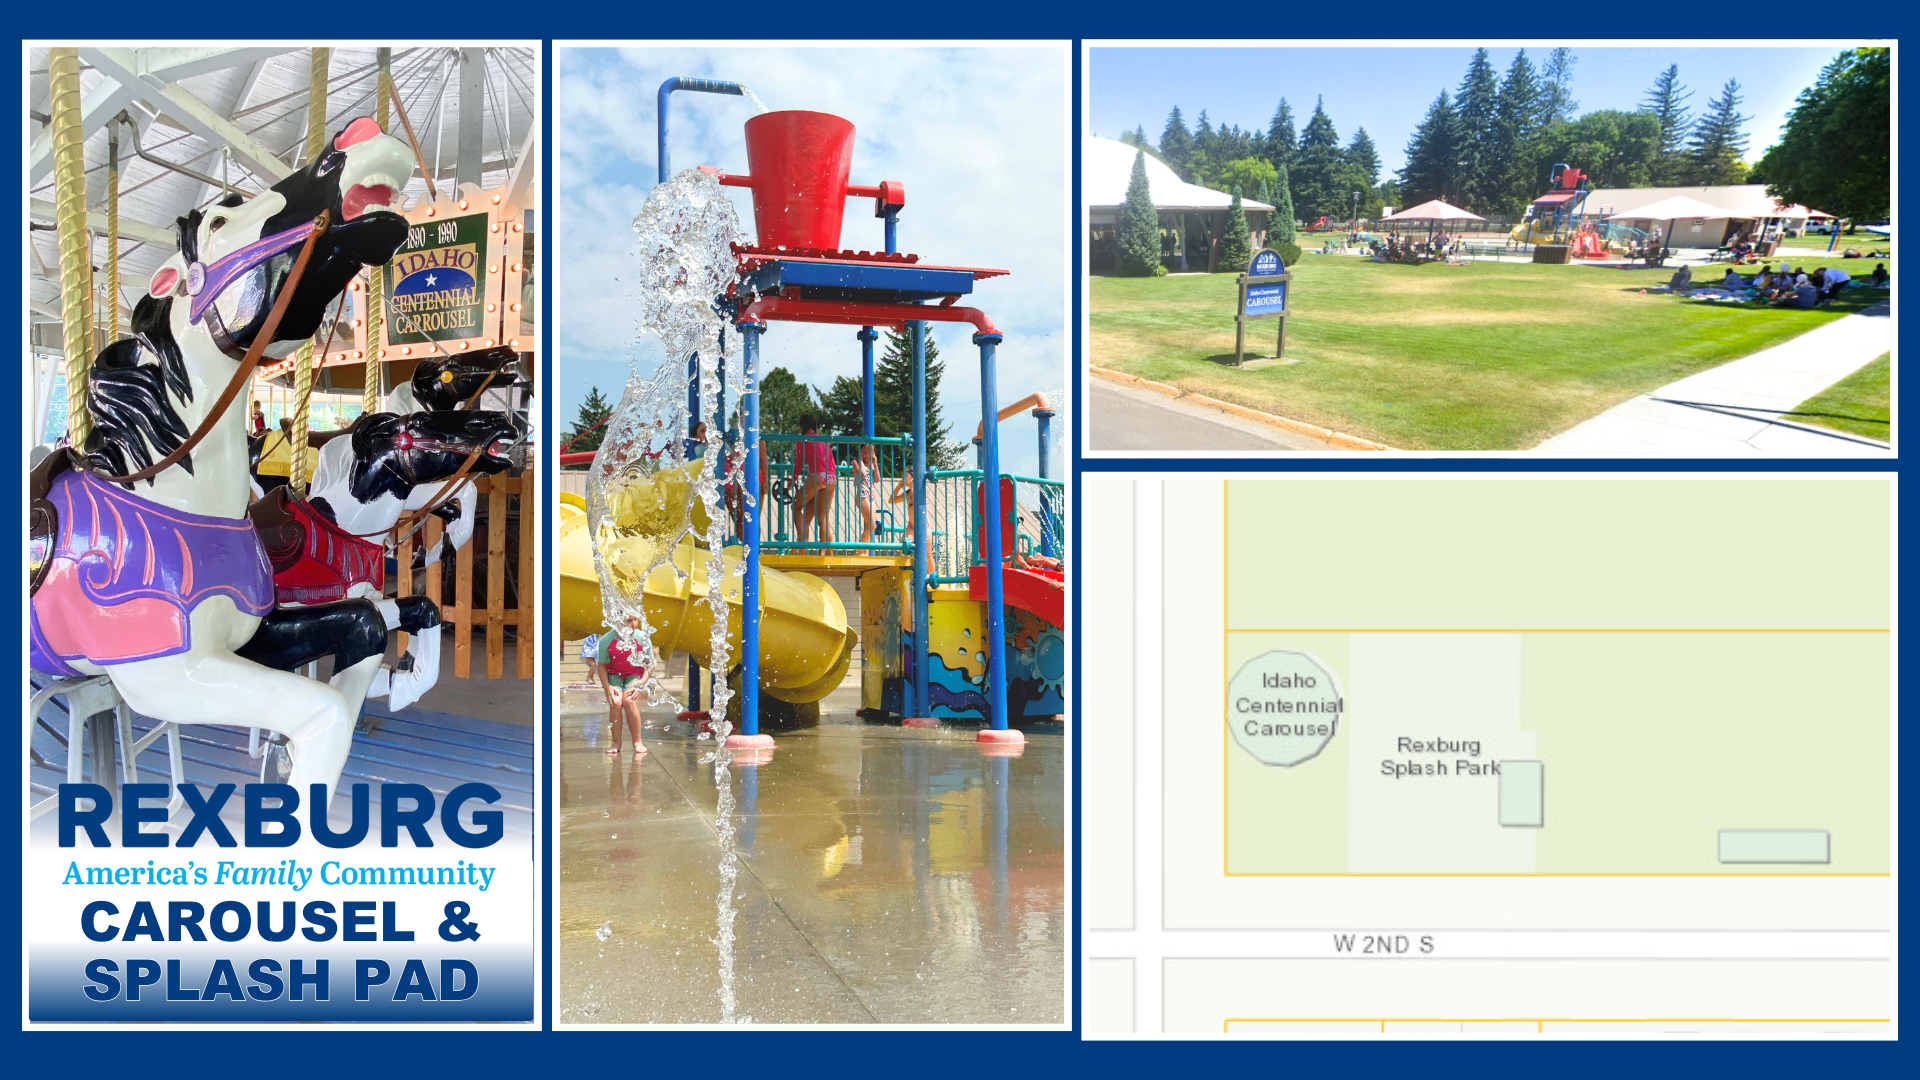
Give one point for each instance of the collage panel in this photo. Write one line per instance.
(1614, 250)
(812, 747)
(283, 735)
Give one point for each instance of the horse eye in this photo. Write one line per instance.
(330, 162)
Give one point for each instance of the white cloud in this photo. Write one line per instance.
(977, 135)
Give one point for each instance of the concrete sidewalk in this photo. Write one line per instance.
(1736, 409)
(1128, 418)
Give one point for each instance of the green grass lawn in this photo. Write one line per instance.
(1492, 356)
(1860, 404)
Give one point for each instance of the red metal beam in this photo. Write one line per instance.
(855, 313)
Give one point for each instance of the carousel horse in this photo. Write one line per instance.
(143, 565)
(441, 383)
(326, 553)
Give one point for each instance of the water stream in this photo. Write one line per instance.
(647, 501)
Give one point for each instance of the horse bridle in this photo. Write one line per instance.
(207, 281)
(311, 232)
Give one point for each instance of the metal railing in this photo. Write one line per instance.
(953, 520)
(873, 474)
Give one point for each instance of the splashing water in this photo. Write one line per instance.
(755, 98)
(645, 499)
(647, 503)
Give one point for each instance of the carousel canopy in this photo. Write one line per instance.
(201, 121)
(1434, 210)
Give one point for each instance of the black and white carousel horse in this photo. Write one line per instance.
(441, 383)
(164, 585)
(326, 549)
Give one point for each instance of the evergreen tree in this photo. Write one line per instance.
(589, 426)
(1718, 144)
(1835, 153)
(1236, 245)
(1139, 135)
(1434, 154)
(1556, 99)
(1473, 110)
(1203, 136)
(1280, 224)
(784, 401)
(1137, 230)
(1516, 123)
(1281, 141)
(1176, 144)
(1365, 156)
(1318, 180)
(842, 410)
(1667, 101)
(893, 398)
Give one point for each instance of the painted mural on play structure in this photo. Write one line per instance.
(1036, 654)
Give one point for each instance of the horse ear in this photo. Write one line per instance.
(233, 199)
(187, 232)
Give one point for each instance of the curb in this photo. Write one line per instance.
(1338, 439)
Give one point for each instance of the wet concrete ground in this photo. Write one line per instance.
(883, 875)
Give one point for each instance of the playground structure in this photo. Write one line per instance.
(947, 626)
(1561, 217)
(170, 600)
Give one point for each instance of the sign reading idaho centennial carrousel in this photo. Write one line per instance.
(439, 282)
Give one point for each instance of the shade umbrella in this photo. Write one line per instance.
(1672, 209)
(1433, 212)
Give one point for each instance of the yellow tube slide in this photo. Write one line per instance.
(806, 645)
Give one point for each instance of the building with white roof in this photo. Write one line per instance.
(1192, 218)
(1743, 208)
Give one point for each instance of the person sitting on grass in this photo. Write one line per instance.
(1802, 295)
(1880, 277)
(623, 676)
(1733, 282)
(1763, 281)
(1681, 280)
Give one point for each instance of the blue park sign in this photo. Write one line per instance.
(1263, 293)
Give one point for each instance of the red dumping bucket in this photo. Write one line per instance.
(800, 162)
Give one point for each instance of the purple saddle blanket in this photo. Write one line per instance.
(124, 574)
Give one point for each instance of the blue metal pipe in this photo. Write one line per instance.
(1045, 417)
(693, 395)
(750, 502)
(990, 535)
(704, 86)
(922, 695)
(867, 337)
(892, 218)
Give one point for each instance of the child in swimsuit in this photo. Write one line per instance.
(624, 678)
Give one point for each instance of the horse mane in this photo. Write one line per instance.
(135, 421)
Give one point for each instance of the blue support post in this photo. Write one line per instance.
(892, 218)
(922, 697)
(750, 582)
(990, 552)
(1045, 417)
(867, 337)
(704, 86)
(693, 393)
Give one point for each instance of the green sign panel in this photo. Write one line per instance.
(436, 284)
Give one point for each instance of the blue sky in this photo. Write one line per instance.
(978, 136)
(1387, 89)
